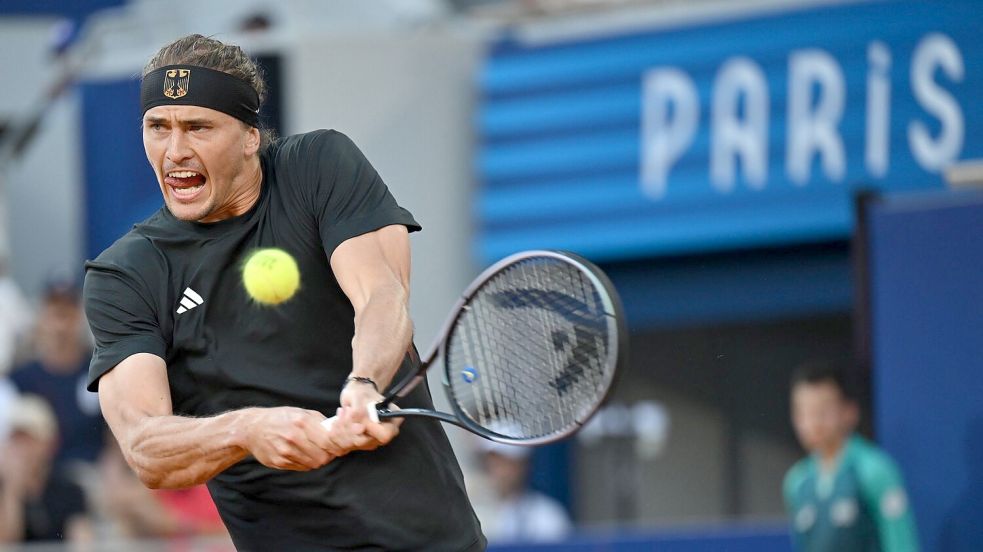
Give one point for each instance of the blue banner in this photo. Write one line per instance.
(753, 132)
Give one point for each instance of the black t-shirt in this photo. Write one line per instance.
(173, 288)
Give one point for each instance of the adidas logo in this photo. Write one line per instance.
(190, 300)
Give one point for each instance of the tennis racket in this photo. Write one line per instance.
(529, 352)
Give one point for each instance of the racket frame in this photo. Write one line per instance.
(616, 354)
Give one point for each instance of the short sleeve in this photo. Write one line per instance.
(884, 493)
(122, 319)
(350, 197)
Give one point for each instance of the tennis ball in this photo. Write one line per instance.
(270, 276)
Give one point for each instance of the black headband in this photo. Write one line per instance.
(193, 85)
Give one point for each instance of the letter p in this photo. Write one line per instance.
(670, 114)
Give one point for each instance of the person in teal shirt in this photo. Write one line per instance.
(847, 495)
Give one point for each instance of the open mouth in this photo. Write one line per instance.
(185, 185)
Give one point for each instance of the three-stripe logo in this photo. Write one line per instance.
(190, 300)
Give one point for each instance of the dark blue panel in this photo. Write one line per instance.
(120, 186)
(562, 141)
(550, 472)
(926, 274)
(732, 287)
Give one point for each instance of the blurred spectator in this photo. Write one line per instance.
(37, 501)
(140, 513)
(59, 374)
(848, 494)
(520, 514)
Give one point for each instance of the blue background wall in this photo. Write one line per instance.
(926, 277)
(120, 186)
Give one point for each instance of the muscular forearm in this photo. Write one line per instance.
(176, 452)
(383, 331)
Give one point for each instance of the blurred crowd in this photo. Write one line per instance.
(62, 475)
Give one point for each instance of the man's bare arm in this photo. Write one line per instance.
(168, 451)
(374, 272)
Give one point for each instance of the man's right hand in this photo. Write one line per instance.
(288, 438)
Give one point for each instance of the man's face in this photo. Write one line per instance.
(822, 416)
(198, 155)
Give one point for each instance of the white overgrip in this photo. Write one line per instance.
(328, 423)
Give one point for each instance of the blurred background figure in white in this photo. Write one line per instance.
(519, 513)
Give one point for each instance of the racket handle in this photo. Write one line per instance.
(374, 411)
(328, 423)
(385, 414)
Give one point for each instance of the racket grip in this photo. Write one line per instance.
(328, 423)
(373, 411)
(387, 411)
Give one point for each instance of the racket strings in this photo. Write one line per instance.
(529, 356)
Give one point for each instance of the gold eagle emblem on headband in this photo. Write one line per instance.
(176, 82)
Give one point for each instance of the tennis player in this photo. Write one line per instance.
(848, 495)
(201, 384)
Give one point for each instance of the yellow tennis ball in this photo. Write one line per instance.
(270, 276)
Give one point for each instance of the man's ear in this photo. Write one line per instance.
(253, 139)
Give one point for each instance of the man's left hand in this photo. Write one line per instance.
(356, 400)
